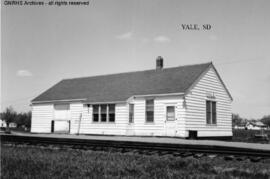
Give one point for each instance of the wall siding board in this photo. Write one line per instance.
(42, 115)
(157, 128)
(105, 128)
(196, 107)
(122, 126)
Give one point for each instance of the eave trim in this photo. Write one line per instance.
(60, 100)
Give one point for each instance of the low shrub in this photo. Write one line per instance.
(242, 135)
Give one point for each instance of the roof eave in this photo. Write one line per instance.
(160, 95)
(104, 102)
(60, 100)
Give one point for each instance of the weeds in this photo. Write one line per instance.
(241, 135)
(27, 162)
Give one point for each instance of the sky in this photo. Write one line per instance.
(40, 45)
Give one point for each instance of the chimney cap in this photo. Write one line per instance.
(159, 63)
(159, 58)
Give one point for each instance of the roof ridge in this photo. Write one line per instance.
(103, 75)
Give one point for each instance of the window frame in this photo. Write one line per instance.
(167, 117)
(131, 113)
(105, 111)
(211, 112)
(151, 110)
(93, 111)
(111, 112)
(214, 112)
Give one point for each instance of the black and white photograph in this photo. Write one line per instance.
(135, 89)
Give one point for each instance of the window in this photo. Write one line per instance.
(131, 113)
(211, 113)
(111, 112)
(149, 110)
(104, 113)
(95, 113)
(170, 113)
(214, 112)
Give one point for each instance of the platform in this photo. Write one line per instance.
(162, 140)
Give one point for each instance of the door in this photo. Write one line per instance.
(61, 122)
(170, 122)
(61, 126)
(130, 126)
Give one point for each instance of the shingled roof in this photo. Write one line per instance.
(119, 87)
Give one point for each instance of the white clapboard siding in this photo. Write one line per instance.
(62, 112)
(196, 107)
(181, 119)
(158, 127)
(107, 128)
(75, 114)
(42, 115)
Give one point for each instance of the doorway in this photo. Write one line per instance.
(170, 122)
(60, 126)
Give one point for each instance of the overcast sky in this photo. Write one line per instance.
(42, 45)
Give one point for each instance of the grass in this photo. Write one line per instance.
(241, 135)
(34, 162)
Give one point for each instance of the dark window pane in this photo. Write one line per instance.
(103, 117)
(130, 118)
(208, 117)
(103, 108)
(95, 108)
(213, 106)
(112, 117)
(208, 112)
(111, 108)
(111, 112)
(208, 106)
(150, 105)
(95, 117)
(131, 113)
(214, 113)
(149, 116)
(150, 102)
(149, 110)
(214, 118)
(103, 111)
(95, 113)
(170, 113)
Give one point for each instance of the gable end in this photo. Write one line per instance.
(202, 75)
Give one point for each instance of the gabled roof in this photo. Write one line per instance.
(256, 123)
(119, 87)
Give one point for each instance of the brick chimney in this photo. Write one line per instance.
(159, 63)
